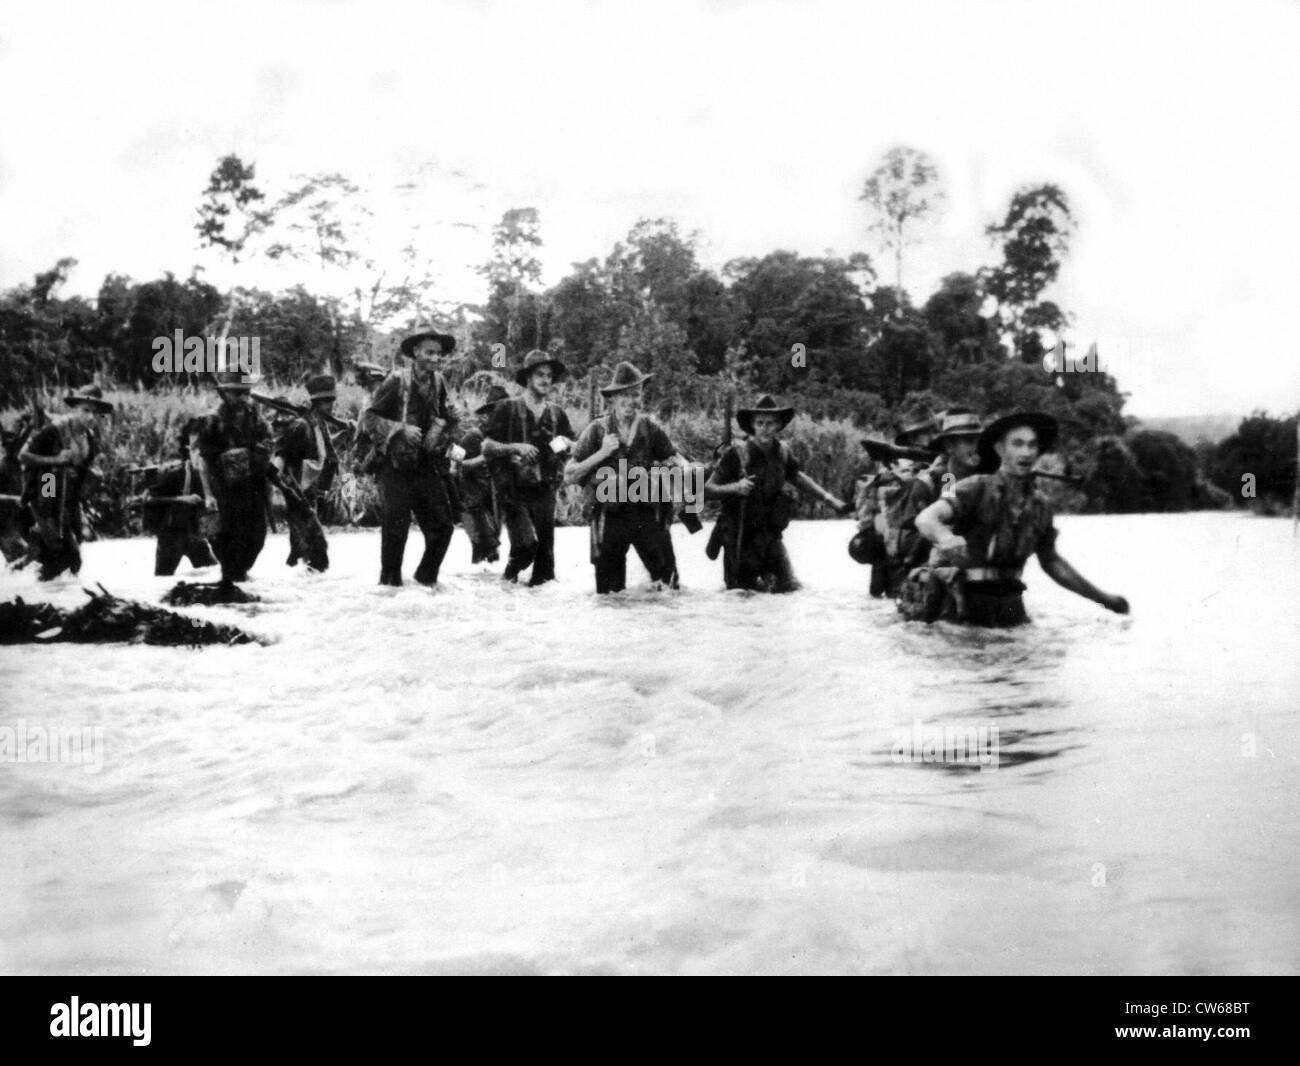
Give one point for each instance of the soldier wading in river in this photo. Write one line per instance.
(480, 515)
(307, 459)
(524, 441)
(172, 507)
(623, 448)
(756, 480)
(231, 453)
(59, 461)
(409, 423)
(983, 530)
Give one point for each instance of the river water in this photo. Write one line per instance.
(496, 779)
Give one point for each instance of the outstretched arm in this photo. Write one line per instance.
(1060, 571)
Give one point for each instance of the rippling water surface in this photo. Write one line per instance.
(491, 779)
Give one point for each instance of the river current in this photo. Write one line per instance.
(493, 779)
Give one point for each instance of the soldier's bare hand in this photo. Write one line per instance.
(609, 445)
(526, 452)
(412, 436)
(744, 487)
(210, 504)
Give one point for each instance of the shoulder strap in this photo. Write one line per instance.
(406, 394)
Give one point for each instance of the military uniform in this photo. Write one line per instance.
(526, 490)
(621, 524)
(234, 443)
(176, 525)
(1003, 524)
(411, 480)
(56, 532)
(477, 515)
(310, 459)
(874, 501)
(759, 519)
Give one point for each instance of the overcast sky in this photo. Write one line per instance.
(1171, 127)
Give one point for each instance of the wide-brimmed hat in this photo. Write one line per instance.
(626, 376)
(233, 381)
(494, 396)
(445, 341)
(1044, 425)
(368, 372)
(320, 387)
(765, 406)
(958, 422)
(91, 396)
(537, 358)
(913, 421)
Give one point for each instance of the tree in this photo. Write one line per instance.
(1034, 238)
(1264, 447)
(581, 316)
(1168, 467)
(656, 266)
(228, 215)
(158, 309)
(955, 315)
(902, 359)
(325, 219)
(784, 299)
(514, 265)
(902, 195)
(657, 346)
(48, 282)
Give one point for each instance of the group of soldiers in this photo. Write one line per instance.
(948, 540)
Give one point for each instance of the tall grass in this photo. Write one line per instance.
(145, 429)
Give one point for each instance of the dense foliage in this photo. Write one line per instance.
(848, 351)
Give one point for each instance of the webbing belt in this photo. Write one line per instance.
(991, 573)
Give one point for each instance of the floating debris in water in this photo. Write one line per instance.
(206, 594)
(106, 619)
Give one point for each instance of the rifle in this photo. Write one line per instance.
(714, 545)
(496, 505)
(285, 407)
(193, 500)
(1069, 479)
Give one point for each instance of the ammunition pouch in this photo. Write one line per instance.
(927, 591)
(527, 474)
(236, 466)
(403, 455)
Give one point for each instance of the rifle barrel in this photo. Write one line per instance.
(1069, 479)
